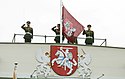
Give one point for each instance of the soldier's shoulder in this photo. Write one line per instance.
(31, 27)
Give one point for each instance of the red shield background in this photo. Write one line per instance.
(60, 70)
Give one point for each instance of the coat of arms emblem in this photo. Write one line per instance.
(64, 60)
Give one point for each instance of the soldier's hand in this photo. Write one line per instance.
(23, 24)
(54, 26)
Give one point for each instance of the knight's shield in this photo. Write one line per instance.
(64, 60)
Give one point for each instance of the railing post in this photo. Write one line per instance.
(13, 40)
(45, 38)
(105, 42)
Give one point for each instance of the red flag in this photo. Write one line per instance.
(71, 27)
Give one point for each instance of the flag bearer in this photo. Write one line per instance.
(89, 35)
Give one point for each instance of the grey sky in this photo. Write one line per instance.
(106, 17)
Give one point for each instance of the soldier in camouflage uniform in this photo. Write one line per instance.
(89, 35)
(29, 32)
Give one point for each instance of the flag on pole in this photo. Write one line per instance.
(71, 27)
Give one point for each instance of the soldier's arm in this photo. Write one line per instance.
(53, 29)
(23, 26)
(84, 32)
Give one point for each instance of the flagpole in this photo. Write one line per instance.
(60, 21)
(14, 71)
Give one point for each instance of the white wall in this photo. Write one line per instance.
(105, 60)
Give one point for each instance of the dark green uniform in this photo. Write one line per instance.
(89, 37)
(57, 38)
(29, 33)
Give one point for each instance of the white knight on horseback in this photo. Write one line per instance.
(64, 59)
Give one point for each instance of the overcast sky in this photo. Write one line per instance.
(107, 18)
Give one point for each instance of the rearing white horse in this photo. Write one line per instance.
(60, 56)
